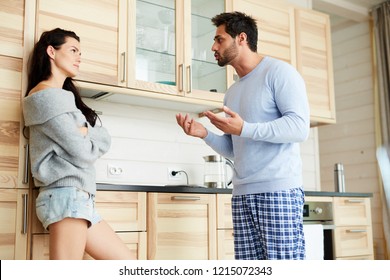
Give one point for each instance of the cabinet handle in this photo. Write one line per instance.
(123, 57)
(189, 72)
(356, 230)
(185, 198)
(181, 77)
(354, 200)
(25, 207)
(26, 160)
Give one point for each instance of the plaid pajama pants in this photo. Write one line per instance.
(269, 226)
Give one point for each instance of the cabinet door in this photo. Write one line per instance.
(181, 226)
(13, 224)
(10, 117)
(314, 62)
(224, 211)
(11, 27)
(352, 211)
(204, 78)
(123, 211)
(353, 241)
(152, 44)
(275, 26)
(173, 48)
(225, 244)
(97, 24)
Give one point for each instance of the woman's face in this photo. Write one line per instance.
(67, 58)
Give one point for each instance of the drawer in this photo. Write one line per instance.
(353, 241)
(351, 211)
(123, 211)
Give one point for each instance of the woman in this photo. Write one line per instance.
(65, 143)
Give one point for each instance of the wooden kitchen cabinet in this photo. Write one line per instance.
(13, 193)
(146, 45)
(13, 224)
(275, 25)
(353, 233)
(315, 63)
(96, 22)
(11, 28)
(125, 212)
(225, 236)
(181, 226)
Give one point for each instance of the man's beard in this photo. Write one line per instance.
(229, 54)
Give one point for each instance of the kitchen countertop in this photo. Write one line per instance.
(200, 189)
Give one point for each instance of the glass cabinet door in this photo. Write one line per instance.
(155, 41)
(205, 73)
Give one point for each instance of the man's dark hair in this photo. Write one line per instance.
(236, 23)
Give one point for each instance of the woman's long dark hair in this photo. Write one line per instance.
(39, 68)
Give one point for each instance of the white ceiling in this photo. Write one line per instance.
(346, 12)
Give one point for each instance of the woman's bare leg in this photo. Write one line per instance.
(104, 244)
(67, 239)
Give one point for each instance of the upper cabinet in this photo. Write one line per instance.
(97, 24)
(137, 50)
(11, 28)
(314, 62)
(142, 45)
(276, 33)
(302, 38)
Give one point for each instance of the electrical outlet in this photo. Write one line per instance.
(114, 171)
(178, 177)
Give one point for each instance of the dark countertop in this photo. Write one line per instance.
(200, 189)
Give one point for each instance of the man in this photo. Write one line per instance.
(267, 115)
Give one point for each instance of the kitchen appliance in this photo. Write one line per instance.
(215, 171)
(339, 179)
(321, 213)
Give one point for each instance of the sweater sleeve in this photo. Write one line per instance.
(222, 144)
(291, 100)
(71, 145)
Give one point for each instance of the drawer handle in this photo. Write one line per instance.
(356, 230)
(354, 200)
(192, 198)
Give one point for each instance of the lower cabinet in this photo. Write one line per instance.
(353, 238)
(181, 226)
(125, 212)
(13, 224)
(225, 236)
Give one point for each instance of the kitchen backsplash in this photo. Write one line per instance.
(146, 142)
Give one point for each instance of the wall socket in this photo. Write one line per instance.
(178, 177)
(114, 171)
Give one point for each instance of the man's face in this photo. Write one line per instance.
(224, 47)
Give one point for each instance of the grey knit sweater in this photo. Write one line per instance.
(60, 155)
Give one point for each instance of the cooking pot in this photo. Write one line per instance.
(215, 171)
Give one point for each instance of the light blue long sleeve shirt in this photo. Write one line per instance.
(272, 101)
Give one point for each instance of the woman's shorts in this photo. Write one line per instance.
(56, 204)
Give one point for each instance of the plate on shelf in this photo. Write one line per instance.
(167, 83)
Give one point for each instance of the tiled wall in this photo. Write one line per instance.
(148, 141)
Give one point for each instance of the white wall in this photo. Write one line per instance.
(147, 141)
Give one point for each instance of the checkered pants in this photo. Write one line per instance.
(269, 226)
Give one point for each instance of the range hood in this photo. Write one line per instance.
(143, 98)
